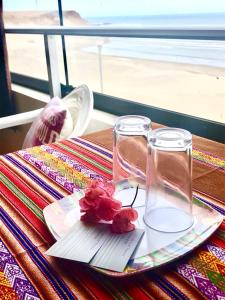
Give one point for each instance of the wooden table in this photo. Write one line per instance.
(33, 178)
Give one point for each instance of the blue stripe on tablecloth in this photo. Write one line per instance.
(217, 208)
(35, 178)
(37, 257)
(96, 148)
(170, 289)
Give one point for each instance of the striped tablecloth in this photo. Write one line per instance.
(33, 178)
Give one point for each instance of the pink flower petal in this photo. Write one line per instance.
(122, 227)
(122, 220)
(90, 217)
(127, 213)
(83, 205)
(106, 186)
(94, 193)
(91, 198)
(108, 208)
(109, 188)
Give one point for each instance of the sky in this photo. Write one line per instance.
(96, 8)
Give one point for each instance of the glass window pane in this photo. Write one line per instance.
(27, 55)
(186, 76)
(181, 75)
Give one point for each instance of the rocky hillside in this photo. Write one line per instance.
(42, 18)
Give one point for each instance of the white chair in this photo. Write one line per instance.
(79, 102)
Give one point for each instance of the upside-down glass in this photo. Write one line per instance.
(129, 158)
(168, 183)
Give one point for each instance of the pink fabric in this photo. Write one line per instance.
(47, 127)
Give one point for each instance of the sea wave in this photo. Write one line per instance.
(210, 53)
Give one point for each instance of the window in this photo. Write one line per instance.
(180, 75)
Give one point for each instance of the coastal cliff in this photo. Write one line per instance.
(43, 18)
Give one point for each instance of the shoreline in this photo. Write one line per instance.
(196, 90)
(189, 89)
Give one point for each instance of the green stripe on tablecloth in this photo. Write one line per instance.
(28, 202)
(86, 158)
(115, 292)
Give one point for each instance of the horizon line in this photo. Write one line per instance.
(111, 16)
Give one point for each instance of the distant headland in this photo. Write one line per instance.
(44, 18)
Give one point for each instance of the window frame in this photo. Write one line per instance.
(118, 106)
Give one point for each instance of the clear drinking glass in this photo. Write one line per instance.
(129, 158)
(168, 183)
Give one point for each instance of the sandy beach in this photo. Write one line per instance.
(191, 89)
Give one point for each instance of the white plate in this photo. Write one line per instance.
(156, 248)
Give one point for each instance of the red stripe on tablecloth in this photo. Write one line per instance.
(41, 203)
(83, 162)
(88, 153)
(18, 204)
(217, 242)
(123, 288)
(28, 181)
(27, 214)
(92, 288)
(136, 292)
(222, 226)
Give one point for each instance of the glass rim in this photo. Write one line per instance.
(132, 125)
(170, 137)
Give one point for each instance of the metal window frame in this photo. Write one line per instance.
(159, 32)
(202, 127)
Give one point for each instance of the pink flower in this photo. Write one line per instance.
(122, 220)
(107, 208)
(98, 204)
(98, 201)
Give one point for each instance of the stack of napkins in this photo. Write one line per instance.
(97, 245)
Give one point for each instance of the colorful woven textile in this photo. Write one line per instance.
(31, 179)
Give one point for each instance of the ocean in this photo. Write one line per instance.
(209, 53)
(176, 19)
